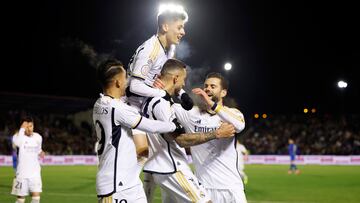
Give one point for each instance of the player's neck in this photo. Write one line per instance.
(163, 41)
(169, 88)
(115, 93)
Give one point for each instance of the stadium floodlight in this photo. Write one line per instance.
(172, 8)
(227, 66)
(342, 84)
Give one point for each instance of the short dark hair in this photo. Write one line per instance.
(107, 70)
(172, 65)
(26, 118)
(224, 82)
(170, 16)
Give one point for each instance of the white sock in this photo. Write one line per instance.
(20, 200)
(35, 199)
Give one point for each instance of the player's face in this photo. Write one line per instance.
(212, 87)
(29, 129)
(176, 30)
(180, 83)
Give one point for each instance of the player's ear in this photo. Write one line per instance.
(117, 83)
(176, 78)
(223, 93)
(165, 27)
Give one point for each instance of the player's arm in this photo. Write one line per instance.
(232, 116)
(190, 139)
(131, 118)
(41, 152)
(17, 137)
(138, 86)
(162, 111)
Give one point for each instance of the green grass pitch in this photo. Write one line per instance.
(267, 184)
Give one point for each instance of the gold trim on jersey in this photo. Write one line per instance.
(186, 186)
(155, 51)
(137, 122)
(233, 115)
(139, 76)
(108, 199)
(218, 108)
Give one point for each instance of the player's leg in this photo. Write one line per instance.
(182, 186)
(35, 197)
(35, 187)
(166, 197)
(149, 186)
(20, 189)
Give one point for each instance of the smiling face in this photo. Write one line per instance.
(175, 30)
(213, 88)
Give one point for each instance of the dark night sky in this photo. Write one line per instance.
(285, 54)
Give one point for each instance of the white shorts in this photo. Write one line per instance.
(181, 187)
(131, 195)
(24, 186)
(227, 195)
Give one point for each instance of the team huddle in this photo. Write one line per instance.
(144, 120)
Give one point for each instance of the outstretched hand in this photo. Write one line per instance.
(202, 94)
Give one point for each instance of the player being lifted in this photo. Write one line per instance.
(118, 173)
(28, 171)
(146, 64)
(215, 161)
(168, 164)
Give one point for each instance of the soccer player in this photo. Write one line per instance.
(215, 161)
(292, 153)
(145, 65)
(242, 157)
(117, 179)
(168, 164)
(28, 177)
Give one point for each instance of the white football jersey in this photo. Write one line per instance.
(113, 119)
(118, 169)
(148, 60)
(167, 156)
(29, 150)
(216, 160)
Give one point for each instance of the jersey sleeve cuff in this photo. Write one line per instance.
(137, 123)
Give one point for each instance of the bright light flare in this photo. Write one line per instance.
(172, 8)
(342, 84)
(227, 66)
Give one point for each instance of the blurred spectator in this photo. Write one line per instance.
(60, 134)
(315, 134)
